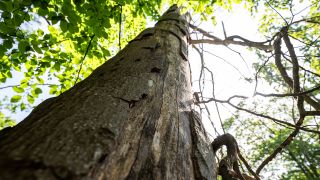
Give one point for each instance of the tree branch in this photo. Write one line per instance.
(289, 94)
(84, 57)
(295, 69)
(284, 74)
(229, 40)
(229, 163)
(18, 85)
(286, 142)
(277, 121)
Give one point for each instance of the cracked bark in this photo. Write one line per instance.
(130, 119)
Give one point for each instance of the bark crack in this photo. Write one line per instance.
(132, 102)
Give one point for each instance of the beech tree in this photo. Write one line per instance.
(131, 118)
(134, 116)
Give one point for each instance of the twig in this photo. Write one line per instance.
(120, 23)
(226, 62)
(245, 162)
(224, 30)
(215, 103)
(277, 13)
(84, 57)
(257, 73)
(18, 85)
(301, 67)
(289, 94)
(277, 121)
(286, 142)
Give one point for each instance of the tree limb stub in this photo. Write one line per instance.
(228, 166)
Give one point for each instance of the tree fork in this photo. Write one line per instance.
(131, 118)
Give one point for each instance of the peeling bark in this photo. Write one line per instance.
(131, 118)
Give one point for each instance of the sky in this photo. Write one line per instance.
(227, 80)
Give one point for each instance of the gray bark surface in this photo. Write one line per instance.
(132, 118)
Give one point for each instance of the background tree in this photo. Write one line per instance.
(292, 29)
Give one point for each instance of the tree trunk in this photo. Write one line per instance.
(132, 118)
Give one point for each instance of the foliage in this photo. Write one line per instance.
(78, 37)
(6, 121)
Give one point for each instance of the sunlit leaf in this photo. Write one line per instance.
(15, 98)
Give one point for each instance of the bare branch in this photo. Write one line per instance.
(277, 121)
(245, 162)
(227, 63)
(205, 33)
(236, 40)
(84, 57)
(229, 41)
(257, 73)
(18, 85)
(278, 13)
(289, 94)
(301, 67)
(308, 20)
(312, 113)
(224, 30)
(285, 143)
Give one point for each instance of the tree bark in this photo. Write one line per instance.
(132, 118)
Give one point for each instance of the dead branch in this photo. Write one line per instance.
(229, 166)
(289, 94)
(277, 121)
(236, 40)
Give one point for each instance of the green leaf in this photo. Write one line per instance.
(30, 99)
(38, 91)
(7, 44)
(40, 32)
(57, 66)
(35, 47)
(24, 83)
(9, 6)
(6, 15)
(18, 20)
(2, 50)
(53, 89)
(18, 89)
(3, 6)
(52, 30)
(40, 80)
(42, 11)
(22, 46)
(8, 74)
(15, 98)
(64, 25)
(22, 106)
